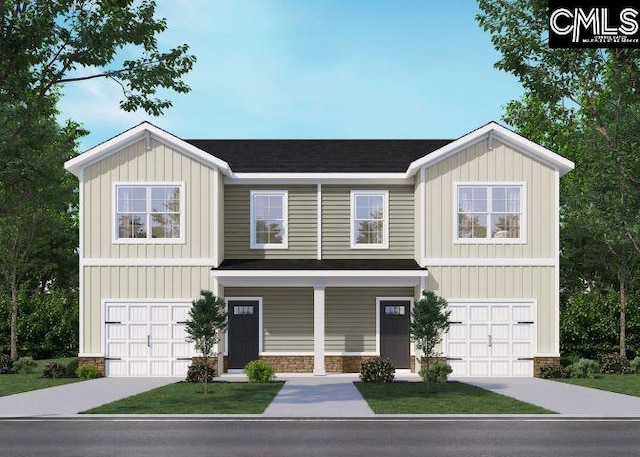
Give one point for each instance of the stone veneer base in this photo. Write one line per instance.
(544, 361)
(98, 362)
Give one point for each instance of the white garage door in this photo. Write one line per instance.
(146, 339)
(490, 339)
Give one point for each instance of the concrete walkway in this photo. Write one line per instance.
(319, 396)
(76, 397)
(560, 397)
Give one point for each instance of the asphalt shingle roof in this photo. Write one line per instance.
(318, 156)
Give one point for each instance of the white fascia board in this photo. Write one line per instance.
(319, 178)
(138, 132)
(318, 273)
(502, 134)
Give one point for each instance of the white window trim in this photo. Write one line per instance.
(114, 208)
(285, 213)
(523, 213)
(385, 234)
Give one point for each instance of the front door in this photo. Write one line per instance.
(394, 332)
(243, 332)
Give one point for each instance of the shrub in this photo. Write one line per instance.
(554, 372)
(585, 368)
(54, 370)
(259, 371)
(25, 365)
(613, 363)
(199, 371)
(88, 371)
(72, 368)
(566, 361)
(6, 364)
(634, 365)
(377, 370)
(438, 372)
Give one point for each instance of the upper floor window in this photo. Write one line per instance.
(269, 219)
(490, 213)
(149, 213)
(369, 219)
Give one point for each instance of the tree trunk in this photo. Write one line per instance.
(426, 376)
(623, 319)
(14, 320)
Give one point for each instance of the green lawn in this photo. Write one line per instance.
(449, 398)
(621, 383)
(16, 383)
(189, 398)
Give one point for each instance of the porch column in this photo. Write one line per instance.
(318, 330)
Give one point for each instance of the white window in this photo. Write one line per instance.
(149, 213)
(269, 219)
(490, 213)
(369, 219)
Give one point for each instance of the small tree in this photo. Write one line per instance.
(430, 321)
(207, 319)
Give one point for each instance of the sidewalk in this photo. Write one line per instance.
(76, 397)
(319, 396)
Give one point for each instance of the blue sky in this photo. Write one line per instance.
(317, 69)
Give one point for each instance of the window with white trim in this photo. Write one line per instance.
(149, 213)
(490, 213)
(369, 219)
(269, 224)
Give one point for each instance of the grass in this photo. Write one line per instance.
(24, 382)
(449, 398)
(620, 383)
(189, 398)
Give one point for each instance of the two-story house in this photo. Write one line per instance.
(320, 248)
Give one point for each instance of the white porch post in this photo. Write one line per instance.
(318, 330)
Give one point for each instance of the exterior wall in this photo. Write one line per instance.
(477, 163)
(350, 317)
(302, 223)
(336, 223)
(136, 164)
(504, 283)
(287, 317)
(134, 282)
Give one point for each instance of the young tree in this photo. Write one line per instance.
(207, 319)
(430, 321)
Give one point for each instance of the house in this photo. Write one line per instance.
(320, 248)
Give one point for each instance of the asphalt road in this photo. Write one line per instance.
(177, 438)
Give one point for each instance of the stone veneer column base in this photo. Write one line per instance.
(213, 363)
(97, 362)
(544, 361)
(345, 363)
(290, 363)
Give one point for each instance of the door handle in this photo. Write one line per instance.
(148, 341)
(490, 341)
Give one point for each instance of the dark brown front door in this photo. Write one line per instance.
(394, 331)
(243, 332)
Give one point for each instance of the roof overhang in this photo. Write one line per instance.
(310, 278)
(490, 132)
(146, 131)
(320, 178)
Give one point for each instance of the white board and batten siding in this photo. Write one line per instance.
(146, 339)
(488, 338)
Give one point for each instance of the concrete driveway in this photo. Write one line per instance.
(560, 397)
(76, 397)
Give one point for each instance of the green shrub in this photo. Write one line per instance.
(634, 365)
(566, 361)
(554, 372)
(199, 371)
(72, 368)
(438, 372)
(585, 368)
(6, 364)
(377, 370)
(25, 365)
(88, 371)
(614, 364)
(54, 370)
(259, 371)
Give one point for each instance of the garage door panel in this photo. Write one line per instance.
(116, 368)
(180, 367)
(178, 332)
(160, 350)
(160, 331)
(117, 349)
(138, 313)
(180, 313)
(116, 314)
(496, 339)
(179, 349)
(138, 350)
(138, 331)
(138, 368)
(160, 313)
(116, 332)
